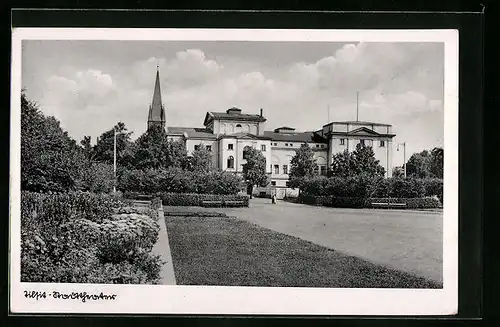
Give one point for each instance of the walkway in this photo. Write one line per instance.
(405, 240)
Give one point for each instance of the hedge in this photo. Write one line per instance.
(87, 238)
(193, 199)
(359, 202)
(170, 180)
(411, 203)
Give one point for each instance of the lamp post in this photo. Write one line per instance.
(114, 157)
(404, 156)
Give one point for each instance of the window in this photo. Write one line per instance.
(287, 184)
(362, 142)
(276, 169)
(209, 148)
(230, 146)
(342, 141)
(245, 151)
(323, 170)
(275, 144)
(230, 162)
(382, 143)
(271, 167)
(238, 125)
(285, 169)
(273, 183)
(263, 147)
(196, 147)
(286, 144)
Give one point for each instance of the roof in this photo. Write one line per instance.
(236, 116)
(355, 122)
(285, 128)
(244, 135)
(192, 132)
(156, 110)
(362, 131)
(296, 137)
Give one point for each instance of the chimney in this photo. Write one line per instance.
(261, 111)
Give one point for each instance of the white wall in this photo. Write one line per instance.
(237, 152)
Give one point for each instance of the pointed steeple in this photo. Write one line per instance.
(156, 109)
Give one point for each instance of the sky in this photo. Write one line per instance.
(91, 85)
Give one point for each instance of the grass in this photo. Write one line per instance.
(232, 252)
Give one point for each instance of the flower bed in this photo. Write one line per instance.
(87, 238)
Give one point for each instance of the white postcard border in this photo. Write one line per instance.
(136, 299)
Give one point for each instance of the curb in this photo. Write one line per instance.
(162, 248)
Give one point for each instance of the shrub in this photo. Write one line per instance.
(359, 202)
(334, 201)
(434, 187)
(406, 188)
(179, 181)
(85, 238)
(193, 199)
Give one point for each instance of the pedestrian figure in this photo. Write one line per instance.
(274, 199)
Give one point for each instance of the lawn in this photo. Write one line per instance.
(231, 252)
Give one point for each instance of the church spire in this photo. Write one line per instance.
(156, 109)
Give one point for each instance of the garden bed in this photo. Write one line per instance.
(232, 252)
(87, 238)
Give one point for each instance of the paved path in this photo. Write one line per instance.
(402, 239)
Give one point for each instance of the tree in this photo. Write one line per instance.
(303, 165)
(103, 151)
(50, 159)
(200, 160)
(436, 162)
(153, 150)
(397, 172)
(361, 161)
(419, 165)
(87, 147)
(254, 170)
(342, 163)
(365, 162)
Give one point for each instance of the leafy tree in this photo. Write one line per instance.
(436, 162)
(342, 164)
(302, 166)
(200, 160)
(50, 159)
(361, 161)
(87, 147)
(364, 161)
(419, 165)
(254, 170)
(154, 150)
(104, 149)
(397, 172)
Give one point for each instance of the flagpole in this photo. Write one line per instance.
(357, 106)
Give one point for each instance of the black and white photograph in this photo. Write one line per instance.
(234, 171)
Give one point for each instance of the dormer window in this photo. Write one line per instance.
(238, 125)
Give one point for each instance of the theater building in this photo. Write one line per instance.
(227, 134)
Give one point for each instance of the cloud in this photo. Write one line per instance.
(82, 89)
(189, 68)
(398, 83)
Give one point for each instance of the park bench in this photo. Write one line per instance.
(211, 203)
(234, 203)
(388, 205)
(397, 205)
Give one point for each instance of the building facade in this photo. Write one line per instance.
(227, 134)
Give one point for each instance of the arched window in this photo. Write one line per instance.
(237, 128)
(238, 125)
(230, 162)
